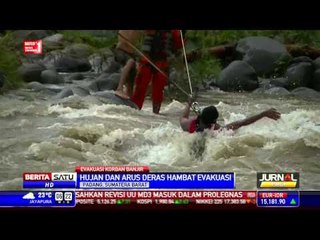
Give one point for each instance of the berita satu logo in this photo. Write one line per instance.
(32, 46)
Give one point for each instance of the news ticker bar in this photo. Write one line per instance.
(151, 197)
(130, 180)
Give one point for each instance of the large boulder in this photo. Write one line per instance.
(31, 72)
(70, 64)
(76, 76)
(307, 93)
(53, 42)
(75, 90)
(105, 82)
(277, 91)
(280, 82)
(78, 50)
(110, 98)
(300, 74)
(51, 76)
(262, 53)
(316, 80)
(238, 76)
(316, 75)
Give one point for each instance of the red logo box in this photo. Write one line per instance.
(32, 46)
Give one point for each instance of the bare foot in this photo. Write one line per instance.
(121, 94)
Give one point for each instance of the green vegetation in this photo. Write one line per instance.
(9, 62)
(87, 38)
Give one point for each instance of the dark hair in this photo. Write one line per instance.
(209, 115)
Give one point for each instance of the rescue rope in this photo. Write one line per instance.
(152, 64)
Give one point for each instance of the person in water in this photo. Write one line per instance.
(207, 119)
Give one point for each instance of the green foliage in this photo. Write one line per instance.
(9, 62)
(83, 37)
(205, 68)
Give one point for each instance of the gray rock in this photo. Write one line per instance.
(264, 83)
(53, 42)
(105, 82)
(307, 93)
(93, 86)
(259, 90)
(277, 91)
(70, 64)
(80, 91)
(109, 98)
(75, 90)
(301, 59)
(262, 53)
(78, 50)
(51, 76)
(51, 59)
(316, 63)
(31, 72)
(280, 82)
(316, 80)
(238, 76)
(35, 86)
(112, 66)
(67, 92)
(299, 75)
(53, 39)
(76, 76)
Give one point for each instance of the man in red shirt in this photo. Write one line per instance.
(158, 45)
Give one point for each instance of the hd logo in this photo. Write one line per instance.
(277, 180)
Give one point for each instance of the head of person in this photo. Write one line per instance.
(207, 117)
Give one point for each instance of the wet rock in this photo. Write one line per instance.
(105, 82)
(280, 91)
(238, 76)
(316, 80)
(280, 82)
(70, 64)
(299, 74)
(78, 50)
(51, 76)
(262, 53)
(109, 98)
(80, 91)
(301, 59)
(31, 72)
(76, 76)
(74, 90)
(305, 92)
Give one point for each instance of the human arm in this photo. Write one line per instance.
(185, 121)
(270, 113)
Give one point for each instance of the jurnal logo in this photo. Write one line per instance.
(277, 180)
(32, 47)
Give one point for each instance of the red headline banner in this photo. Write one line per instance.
(117, 169)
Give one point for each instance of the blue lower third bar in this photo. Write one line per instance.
(52, 184)
(278, 199)
(156, 180)
(37, 199)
